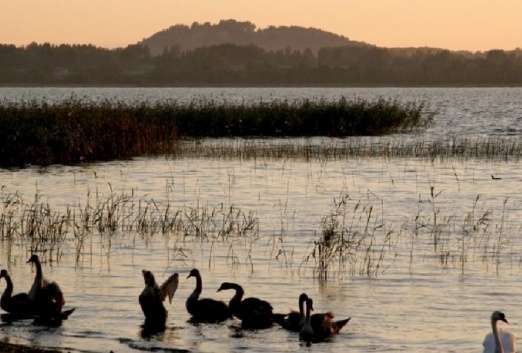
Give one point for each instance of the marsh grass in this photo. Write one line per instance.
(478, 235)
(487, 148)
(74, 131)
(44, 229)
(353, 240)
(281, 118)
(354, 237)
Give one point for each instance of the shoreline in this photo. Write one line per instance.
(253, 85)
(6, 347)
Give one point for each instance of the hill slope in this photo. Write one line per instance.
(244, 33)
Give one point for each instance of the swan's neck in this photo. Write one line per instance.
(496, 336)
(301, 307)
(236, 299)
(199, 287)
(39, 272)
(9, 288)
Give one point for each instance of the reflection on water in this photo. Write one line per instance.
(415, 304)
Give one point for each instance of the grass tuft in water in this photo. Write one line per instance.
(353, 240)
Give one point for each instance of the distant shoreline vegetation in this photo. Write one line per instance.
(249, 65)
(73, 131)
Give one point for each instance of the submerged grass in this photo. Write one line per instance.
(72, 131)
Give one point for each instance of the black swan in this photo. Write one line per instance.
(306, 333)
(323, 324)
(254, 313)
(294, 320)
(205, 310)
(47, 296)
(19, 304)
(152, 297)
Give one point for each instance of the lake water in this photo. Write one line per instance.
(421, 299)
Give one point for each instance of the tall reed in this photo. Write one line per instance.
(72, 131)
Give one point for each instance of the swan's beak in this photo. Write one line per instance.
(505, 320)
(189, 275)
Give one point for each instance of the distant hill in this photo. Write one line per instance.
(244, 33)
(238, 53)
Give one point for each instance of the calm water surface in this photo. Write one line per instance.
(415, 304)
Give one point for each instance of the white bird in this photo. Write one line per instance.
(499, 340)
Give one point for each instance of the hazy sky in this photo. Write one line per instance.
(454, 24)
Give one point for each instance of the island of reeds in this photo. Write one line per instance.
(74, 131)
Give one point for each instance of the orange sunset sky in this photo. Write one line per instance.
(453, 24)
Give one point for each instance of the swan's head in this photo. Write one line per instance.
(227, 285)
(193, 273)
(303, 297)
(148, 277)
(33, 259)
(499, 316)
(3, 273)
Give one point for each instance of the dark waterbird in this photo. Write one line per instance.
(19, 304)
(47, 297)
(21, 307)
(306, 333)
(254, 313)
(152, 297)
(499, 341)
(294, 320)
(322, 325)
(205, 310)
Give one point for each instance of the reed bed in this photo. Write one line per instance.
(354, 237)
(353, 240)
(74, 131)
(41, 228)
(299, 118)
(487, 148)
(356, 240)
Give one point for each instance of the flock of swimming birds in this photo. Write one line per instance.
(45, 304)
